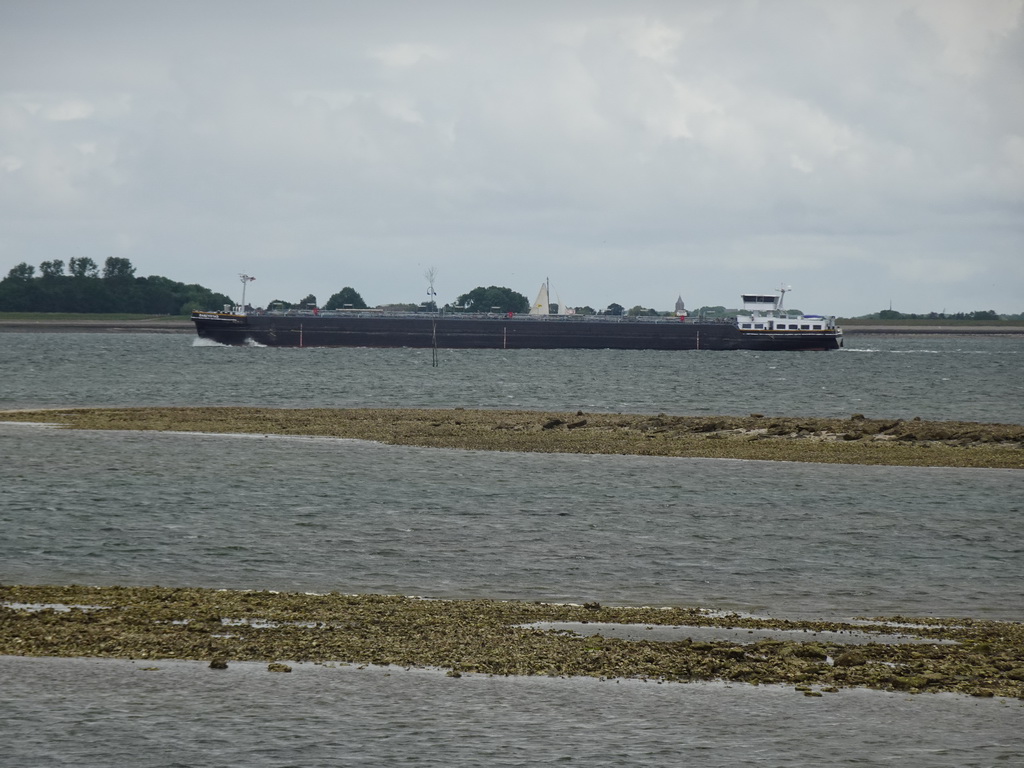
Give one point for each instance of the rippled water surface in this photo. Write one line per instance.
(322, 514)
(101, 713)
(937, 377)
(798, 540)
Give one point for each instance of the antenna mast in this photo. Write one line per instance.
(431, 274)
(783, 289)
(245, 281)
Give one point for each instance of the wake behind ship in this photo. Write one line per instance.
(762, 325)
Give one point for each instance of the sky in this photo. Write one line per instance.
(869, 154)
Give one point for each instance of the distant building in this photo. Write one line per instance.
(680, 307)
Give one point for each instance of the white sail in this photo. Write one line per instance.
(541, 306)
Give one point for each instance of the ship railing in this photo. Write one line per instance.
(517, 317)
(527, 318)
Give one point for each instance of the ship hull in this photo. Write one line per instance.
(498, 332)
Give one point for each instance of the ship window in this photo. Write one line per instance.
(817, 327)
(745, 325)
(759, 325)
(805, 327)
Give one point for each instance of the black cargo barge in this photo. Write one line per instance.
(776, 330)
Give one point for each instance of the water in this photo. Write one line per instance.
(313, 514)
(88, 713)
(948, 377)
(800, 540)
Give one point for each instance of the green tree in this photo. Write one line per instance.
(53, 268)
(309, 302)
(80, 292)
(346, 298)
(83, 267)
(615, 309)
(19, 291)
(117, 268)
(493, 299)
(588, 310)
(710, 311)
(22, 271)
(638, 311)
(194, 296)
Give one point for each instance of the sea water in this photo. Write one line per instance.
(972, 378)
(779, 539)
(319, 514)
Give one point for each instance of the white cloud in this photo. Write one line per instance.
(800, 164)
(926, 269)
(401, 109)
(967, 31)
(336, 99)
(626, 150)
(403, 55)
(653, 40)
(69, 110)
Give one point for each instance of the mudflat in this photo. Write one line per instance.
(853, 440)
(979, 658)
(219, 627)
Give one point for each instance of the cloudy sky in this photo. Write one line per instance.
(863, 152)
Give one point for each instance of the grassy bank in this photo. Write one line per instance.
(856, 440)
(862, 322)
(84, 317)
(985, 658)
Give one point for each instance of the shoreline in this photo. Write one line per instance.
(931, 330)
(854, 440)
(155, 325)
(965, 656)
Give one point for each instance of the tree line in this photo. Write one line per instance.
(493, 298)
(82, 286)
(980, 314)
(88, 289)
(346, 298)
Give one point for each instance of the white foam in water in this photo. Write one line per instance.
(201, 342)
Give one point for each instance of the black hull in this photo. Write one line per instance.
(521, 332)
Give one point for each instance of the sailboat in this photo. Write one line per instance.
(542, 304)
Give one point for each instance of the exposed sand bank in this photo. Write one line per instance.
(985, 658)
(856, 440)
